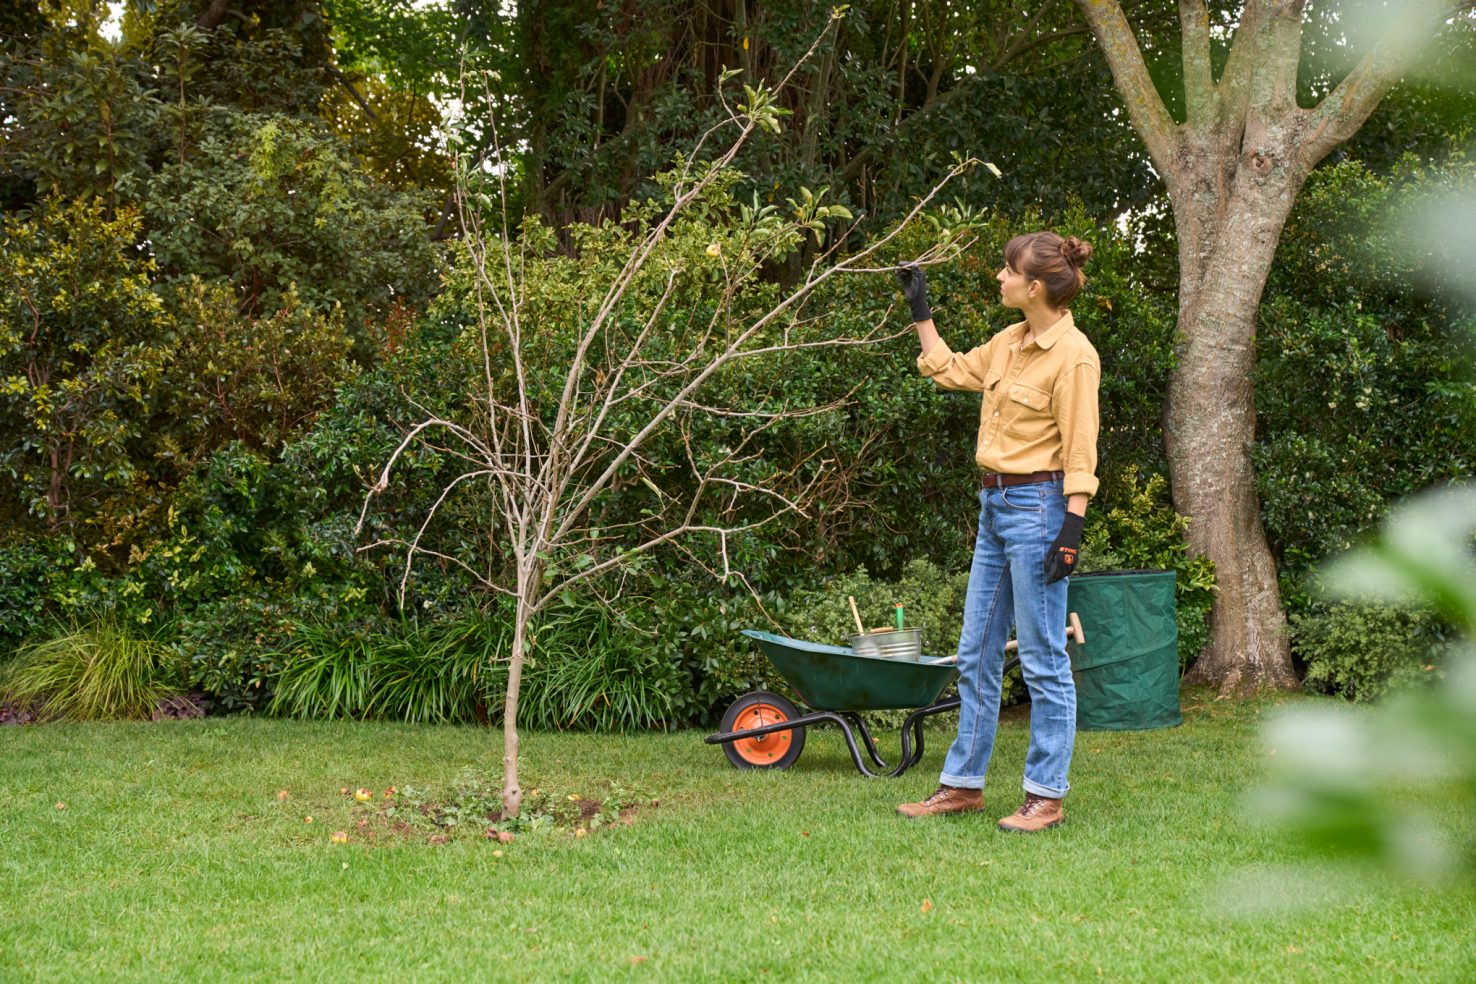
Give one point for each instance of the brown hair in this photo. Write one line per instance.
(1054, 261)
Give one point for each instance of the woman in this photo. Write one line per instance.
(1037, 448)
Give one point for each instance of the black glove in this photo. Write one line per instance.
(915, 289)
(1060, 560)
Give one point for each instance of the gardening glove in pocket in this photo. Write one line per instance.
(1061, 558)
(915, 289)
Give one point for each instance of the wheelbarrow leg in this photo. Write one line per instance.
(860, 724)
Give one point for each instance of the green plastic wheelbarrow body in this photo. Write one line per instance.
(834, 678)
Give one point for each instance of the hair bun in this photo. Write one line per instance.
(1076, 251)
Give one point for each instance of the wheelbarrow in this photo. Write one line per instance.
(764, 730)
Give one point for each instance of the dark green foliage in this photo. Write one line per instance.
(271, 203)
(23, 595)
(1365, 391)
(1363, 652)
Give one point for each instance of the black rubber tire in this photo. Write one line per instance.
(783, 707)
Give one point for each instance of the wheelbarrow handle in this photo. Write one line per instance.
(1073, 631)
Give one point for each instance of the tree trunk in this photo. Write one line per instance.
(1228, 233)
(512, 790)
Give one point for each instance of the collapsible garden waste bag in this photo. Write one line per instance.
(1127, 672)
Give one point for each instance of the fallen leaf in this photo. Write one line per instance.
(580, 832)
(344, 790)
(437, 839)
(637, 960)
(1293, 949)
(339, 837)
(573, 796)
(497, 854)
(282, 794)
(505, 837)
(927, 905)
(363, 795)
(307, 819)
(61, 806)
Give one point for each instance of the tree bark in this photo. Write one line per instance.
(1210, 425)
(512, 789)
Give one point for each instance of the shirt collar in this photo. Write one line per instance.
(1051, 335)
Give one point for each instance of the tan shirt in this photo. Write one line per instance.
(1040, 403)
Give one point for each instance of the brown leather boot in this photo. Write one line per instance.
(947, 800)
(1037, 813)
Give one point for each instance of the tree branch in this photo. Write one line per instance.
(1199, 82)
(1144, 105)
(1349, 105)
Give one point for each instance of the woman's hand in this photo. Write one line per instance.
(915, 288)
(1061, 559)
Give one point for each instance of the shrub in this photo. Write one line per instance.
(1364, 385)
(441, 672)
(586, 671)
(930, 598)
(1363, 652)
(589, 671)
(97, 671)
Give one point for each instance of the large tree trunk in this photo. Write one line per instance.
(1227, 242)
(1230, 205)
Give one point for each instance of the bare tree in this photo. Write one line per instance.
(557, 431)
(1234, 167)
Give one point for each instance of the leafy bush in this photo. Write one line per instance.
(23, 595)
(437, 673)
(96, 671)
(930, 598)
(586, 671)
(1364, 390)
(83, 344)
(1363, 652)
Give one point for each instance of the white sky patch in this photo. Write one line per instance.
(112, 28)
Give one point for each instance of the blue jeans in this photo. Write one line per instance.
(1007, 588)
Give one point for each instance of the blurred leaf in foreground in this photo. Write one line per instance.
(1395, 785)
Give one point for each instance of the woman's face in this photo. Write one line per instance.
(1014, 288)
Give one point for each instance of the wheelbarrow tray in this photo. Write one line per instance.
(834, 678)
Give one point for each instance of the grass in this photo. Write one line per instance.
(174, 858)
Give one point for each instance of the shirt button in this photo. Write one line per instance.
(996, 413)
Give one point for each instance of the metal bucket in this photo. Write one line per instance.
(904, 644)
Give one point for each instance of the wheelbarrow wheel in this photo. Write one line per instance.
(776, 750)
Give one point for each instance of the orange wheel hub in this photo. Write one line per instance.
(761, 749)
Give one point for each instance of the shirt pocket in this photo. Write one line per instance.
(1027, 412)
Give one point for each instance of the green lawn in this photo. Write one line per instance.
(174, 857)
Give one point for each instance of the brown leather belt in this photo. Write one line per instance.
(992, 481)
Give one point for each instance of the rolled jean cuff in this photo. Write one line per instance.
(962, 782)
(1036, 789)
